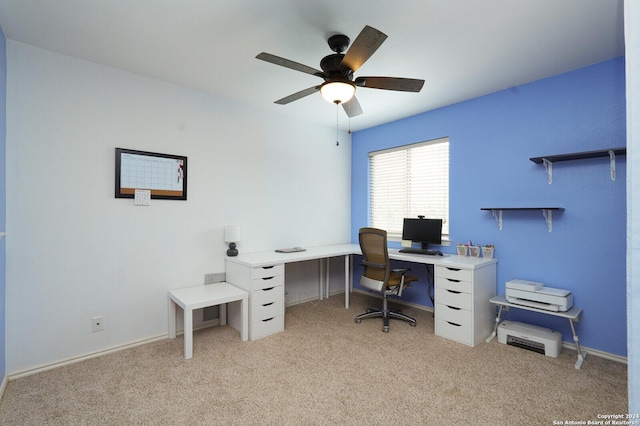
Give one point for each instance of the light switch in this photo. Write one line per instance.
(142, 197)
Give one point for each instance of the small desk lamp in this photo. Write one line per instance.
(232, 236)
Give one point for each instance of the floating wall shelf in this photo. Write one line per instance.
(546, 212)
(548, 160)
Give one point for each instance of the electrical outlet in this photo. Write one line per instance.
(97, 323)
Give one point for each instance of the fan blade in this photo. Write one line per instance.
(390, 83)
(352, 107)
(277, 60)
(363, 47)
(298, 95)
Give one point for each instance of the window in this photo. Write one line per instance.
(408, 181)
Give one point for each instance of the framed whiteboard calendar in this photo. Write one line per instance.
(163, 174)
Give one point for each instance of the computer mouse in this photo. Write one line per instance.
(439, 253)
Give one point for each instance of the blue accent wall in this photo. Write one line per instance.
(491, 140)
(3, 197)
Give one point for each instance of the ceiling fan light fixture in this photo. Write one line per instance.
(338, 92)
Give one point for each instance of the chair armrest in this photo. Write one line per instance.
(401, 271)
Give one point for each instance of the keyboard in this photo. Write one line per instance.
(411, 250)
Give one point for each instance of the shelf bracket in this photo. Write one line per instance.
(548, 166)
(548, 213)
(612, 156)
(497, 214)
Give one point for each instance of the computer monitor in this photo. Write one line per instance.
(424, 231)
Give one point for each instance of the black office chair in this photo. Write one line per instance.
(378, 276)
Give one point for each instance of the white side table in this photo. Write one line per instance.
(203, 296)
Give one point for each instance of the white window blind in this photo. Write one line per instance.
(409, 181)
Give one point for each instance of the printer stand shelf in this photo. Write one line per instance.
(572, 315)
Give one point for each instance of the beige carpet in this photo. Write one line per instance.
(323, 370)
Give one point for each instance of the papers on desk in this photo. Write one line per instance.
(290, 250)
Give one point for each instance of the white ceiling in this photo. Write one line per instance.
(461, 48)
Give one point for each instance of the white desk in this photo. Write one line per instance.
(322, 253)
(465, 284)
(203, 296)
(261, 274)
(450, 260)
(572, 315)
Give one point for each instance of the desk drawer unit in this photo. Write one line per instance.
(268, 282)
(455, 315)
(462, 309)
(457, 299)
(455, 274)
(454, 331)
(265, 286)
(265, 296)
(268, 326)
(267, 272)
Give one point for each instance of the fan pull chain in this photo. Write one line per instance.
(337, 140)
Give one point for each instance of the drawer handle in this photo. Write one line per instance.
(267, 320)
(453, 269)
(453, 323)
(453, 307)
(453, 281)
(267, 267)
(268, 278)
(454, 292)
(268, 304)
(268, 289)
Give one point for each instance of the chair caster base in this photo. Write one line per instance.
(386, 315)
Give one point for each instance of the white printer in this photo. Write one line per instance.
(536, 295)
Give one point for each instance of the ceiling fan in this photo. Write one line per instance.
(339, 86)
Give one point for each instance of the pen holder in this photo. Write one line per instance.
(474, 251)
(487, 252)
(462, 249)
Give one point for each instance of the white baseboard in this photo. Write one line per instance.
(595, 352)
(72, 360)
(84, 357)
(3, 386)
(96, 354)
(567, 345)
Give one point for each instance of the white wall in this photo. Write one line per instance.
(76, 252)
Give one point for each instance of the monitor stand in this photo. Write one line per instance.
(425, 247)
